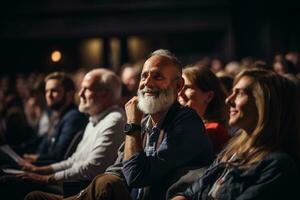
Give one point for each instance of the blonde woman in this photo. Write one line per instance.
(256, 164)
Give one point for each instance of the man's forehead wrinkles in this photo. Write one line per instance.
(151, 70)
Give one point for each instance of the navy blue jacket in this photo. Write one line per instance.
(54, 148)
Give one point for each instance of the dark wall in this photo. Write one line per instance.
(221, 28)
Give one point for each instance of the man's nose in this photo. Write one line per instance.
(80, 93)
(149, 82)
(49, 95)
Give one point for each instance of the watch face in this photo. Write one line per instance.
(131, 128)
(127, 128)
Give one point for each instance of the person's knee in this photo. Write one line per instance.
(104, 179)
(105, 186)
(38, 195)
(33, 195)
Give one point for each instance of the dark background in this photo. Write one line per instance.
(230, 30)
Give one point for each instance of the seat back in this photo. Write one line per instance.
(74, 143)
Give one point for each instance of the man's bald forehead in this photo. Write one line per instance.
(159, 60)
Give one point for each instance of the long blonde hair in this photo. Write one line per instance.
(274, 122)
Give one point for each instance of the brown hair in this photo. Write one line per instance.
(64, 79)
(207, 81)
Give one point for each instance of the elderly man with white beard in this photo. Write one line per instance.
(162, 138)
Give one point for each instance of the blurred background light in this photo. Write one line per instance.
(56, 56)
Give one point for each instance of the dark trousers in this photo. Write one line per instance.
(103, 187)
(15, 188)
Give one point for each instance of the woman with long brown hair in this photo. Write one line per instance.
(204, 93)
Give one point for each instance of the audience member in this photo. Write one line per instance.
(216, 65)
(203, 92)
(233, 68)
(130, 77)
(261, 65)
(65, 120)
(38, 116)
(15, 129)
(293, 57)
(284, 67)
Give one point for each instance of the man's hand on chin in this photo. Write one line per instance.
(134, 115)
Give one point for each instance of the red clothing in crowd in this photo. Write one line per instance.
(218, 135)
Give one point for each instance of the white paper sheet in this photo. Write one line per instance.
(11, 153)
(12, 171)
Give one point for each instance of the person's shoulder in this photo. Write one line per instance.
(279, 156)
(116, 110)
(186, 118)
(71, 110)
(73, 113)
(279, 160)
(115, 114)
(187, 111)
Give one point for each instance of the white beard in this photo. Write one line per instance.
(153, 104)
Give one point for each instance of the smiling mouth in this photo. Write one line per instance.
(151, 94)
(232, 113)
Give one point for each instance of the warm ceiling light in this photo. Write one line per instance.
(56, 56)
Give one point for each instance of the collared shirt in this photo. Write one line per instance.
(97, 149)
(152, 133)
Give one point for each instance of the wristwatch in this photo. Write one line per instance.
(131, 128)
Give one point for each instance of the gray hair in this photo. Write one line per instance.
(110, 82)
(166, 53)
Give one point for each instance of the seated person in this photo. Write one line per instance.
(203, 92)
(65, 120)
(256, 164)
(99, 95)
(161, 138)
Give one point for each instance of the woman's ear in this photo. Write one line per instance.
(210, 96)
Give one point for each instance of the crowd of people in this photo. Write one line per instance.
(155, 130)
